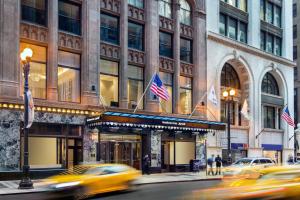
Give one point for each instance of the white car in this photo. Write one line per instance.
(242, 165)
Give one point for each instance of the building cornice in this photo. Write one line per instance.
(249, 49)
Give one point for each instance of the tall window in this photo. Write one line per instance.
(109, 83)
(185, 12)
(269, 117)
(34, 11)
(136, 3)
(165, 8)
(294, 10)
(186, 52)
(135, 36)
(233, 28)
(165, 45)
(269, 85)
(135, 86)
(69, 17)
(68, 77)
(295, 53)
(240, 4)
(37, 77)
(295, 31)
(270, 43)
(167, 79)
(109, 29)
(185, 102)
(270, 12)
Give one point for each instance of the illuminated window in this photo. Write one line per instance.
(185, 102)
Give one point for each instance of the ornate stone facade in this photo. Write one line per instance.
(166, 64)
(110, 51)
(72, 42)
(136, 57)
(34, 32)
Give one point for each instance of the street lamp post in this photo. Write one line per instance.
(26, 183)
(227, 95)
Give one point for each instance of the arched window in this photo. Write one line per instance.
(229, 77)
(269, 85)
(185, 12)
(165, 8)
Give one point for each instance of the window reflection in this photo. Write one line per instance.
(165, 8)
(135, 86)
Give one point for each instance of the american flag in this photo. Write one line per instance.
(158, 88)
(287, 117)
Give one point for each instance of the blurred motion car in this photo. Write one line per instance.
(88, 180)
(245, 164)
(277, 182)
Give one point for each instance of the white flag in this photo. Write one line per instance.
(212, 96)
(244, 110)
(30, 109)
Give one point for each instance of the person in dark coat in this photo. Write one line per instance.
(210, 163)
(146, 164)
(218, 161)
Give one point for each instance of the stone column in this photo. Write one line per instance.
(199, 59)
(52, 56)
(9, 49)
(90, 52)
(152, 50)
(123, 90)
(176, 52)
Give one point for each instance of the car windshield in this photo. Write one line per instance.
(243, 162)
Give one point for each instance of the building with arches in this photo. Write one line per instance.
(249, 47)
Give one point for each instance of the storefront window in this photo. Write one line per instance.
(167, 79)
(69, 16)
(135, 36)
(109, 29)
(37, 76)
(68, 77)
(109, 83)
(34, 11)
(185, 105)
(135, 86)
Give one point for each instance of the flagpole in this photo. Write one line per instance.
(197, 104)
(102, 102)
(144, 93)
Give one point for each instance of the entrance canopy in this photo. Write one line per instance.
(131, 120)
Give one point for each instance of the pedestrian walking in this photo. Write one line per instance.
(218, 161)
(210, 163)
(146, 164)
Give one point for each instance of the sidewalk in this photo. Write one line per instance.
(11, 187)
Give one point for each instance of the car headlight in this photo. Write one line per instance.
(68, 184)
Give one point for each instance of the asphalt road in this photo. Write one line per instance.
(164, 191)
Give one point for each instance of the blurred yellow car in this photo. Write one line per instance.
(88, 180)
(269, 183)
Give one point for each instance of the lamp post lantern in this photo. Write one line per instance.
(26, 56)
(228, 96)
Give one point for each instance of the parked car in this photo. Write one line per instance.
(244, 164)
(88, 180)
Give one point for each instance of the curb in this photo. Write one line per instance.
(138, 184)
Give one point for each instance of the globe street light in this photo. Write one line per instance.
(228, 96)
(26, 56)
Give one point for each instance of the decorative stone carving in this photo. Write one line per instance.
(111, 5)
(69, 41)
(136, 13)
(166, 64)
(34, 32)
(186, 69)
(136, 57)
(110, 51)
(186, 30)
(166, 23)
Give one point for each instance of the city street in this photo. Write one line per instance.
(164, 191)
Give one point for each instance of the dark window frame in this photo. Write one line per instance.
(238, 5)
(269, 117)
(269, 85)
(45, 23)
(135, 37)
(135, 5)
(273, 10)
(229, 77)
(189, 52)
(110, 29)
(168, 54)
(295, 31)
(294, 10)
(264, 36)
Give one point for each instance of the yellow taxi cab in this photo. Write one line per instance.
(88, 180)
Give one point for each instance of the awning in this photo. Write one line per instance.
(272, 147)
(239, 146)
(120, 119)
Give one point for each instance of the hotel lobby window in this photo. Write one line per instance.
(135, 86)
(69, 17)
(109, 83)
(37, 75)
(165, 45)
(167, 79)
(186, 51)
(185, 13)
(68, 77)
(165, 8)
(135, 36)
(34, 11)
(137, 3)
(109, 29)
(185, 103)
